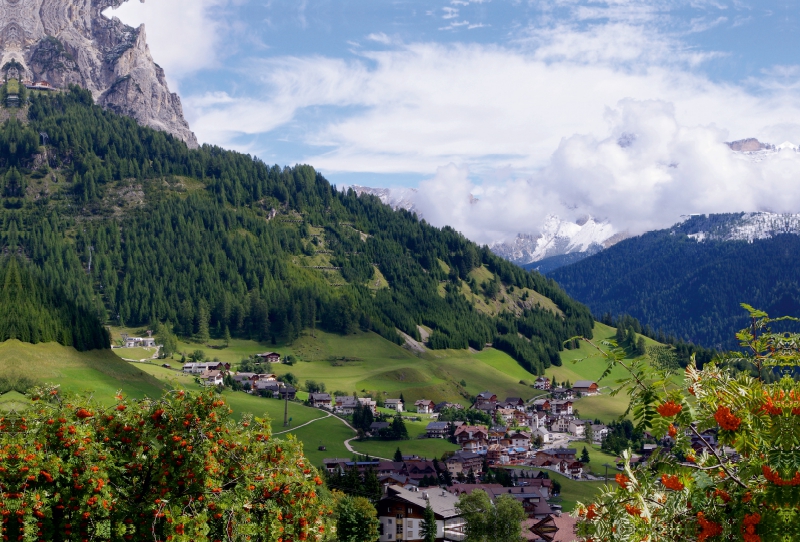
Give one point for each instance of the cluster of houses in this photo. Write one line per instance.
(520, 429)
(139, 342)
(213, 373)
(405, 498)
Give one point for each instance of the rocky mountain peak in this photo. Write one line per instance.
(67, 42)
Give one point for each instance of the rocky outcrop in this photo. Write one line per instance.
(68, 42)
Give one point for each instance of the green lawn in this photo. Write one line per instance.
(328, 432)
(135, 354)
(423, 447)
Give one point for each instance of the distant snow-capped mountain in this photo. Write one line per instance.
(396, 198)
(558, 238)
(739, 226)
(753, 150)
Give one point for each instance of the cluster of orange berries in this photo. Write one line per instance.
(669, 409)
(672, 482)
(708, 528)
(774, 477)
(622, 480)
(726, 419)
(749, 527)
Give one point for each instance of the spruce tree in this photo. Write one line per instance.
(428, 526)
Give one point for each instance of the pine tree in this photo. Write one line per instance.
(428, 526)
(585, 456)
(398, 455)
(227, 336)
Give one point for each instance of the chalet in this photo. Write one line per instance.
(401, 513)
(542, 383)
(274, 389)
(485, 397)
(376, 427)
(40, 85)
(463, 462)
(541, 405)
(335, 465)
(599, 432)
(514, 402)
(369, 403)
(585, 387)
(571, 468)
(139, 342)
(197, 368)
(562, 407)
(560, 424)
(520, 418)
(496, 454)
(397, 479)
(445, 404)
(487, 408)
(417, 469)
(394, 404)
(496, 433)
(246, 380)
(505, 416)
(562, 393)
(389, 467)
(320, 400)
(271, 357)
(474, 446)
(561, 453)
(520, 439)
(466, 433)
(212, 378)
(344, 404)
(438, 429)
(424, 406)
(533, 501)
(577, 428)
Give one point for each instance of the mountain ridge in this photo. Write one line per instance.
(65, 42)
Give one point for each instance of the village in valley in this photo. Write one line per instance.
(522, 449)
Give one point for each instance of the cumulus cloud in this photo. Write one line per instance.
(644, 173)
(183, 35)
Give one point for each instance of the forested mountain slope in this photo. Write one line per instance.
(693, 290)
(131, 223)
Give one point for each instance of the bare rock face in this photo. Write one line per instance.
(68, 42)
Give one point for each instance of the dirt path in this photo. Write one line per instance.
(328, 415)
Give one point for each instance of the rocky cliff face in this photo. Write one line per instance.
(71, 42)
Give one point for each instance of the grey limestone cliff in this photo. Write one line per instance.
(67, 42)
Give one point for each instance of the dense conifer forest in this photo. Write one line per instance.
(689, 290)
(139, 229)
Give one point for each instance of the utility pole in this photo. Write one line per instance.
(286, 408)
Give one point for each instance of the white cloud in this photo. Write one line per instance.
(183, 35)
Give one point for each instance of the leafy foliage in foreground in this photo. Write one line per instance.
(178, 468)
(698, 492)
(212, 240)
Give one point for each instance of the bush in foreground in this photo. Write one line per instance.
(696, 491)
(178, 469)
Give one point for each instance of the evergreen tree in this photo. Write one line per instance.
(399, 430)
(428, 524)
(585, 456)
(398, 456)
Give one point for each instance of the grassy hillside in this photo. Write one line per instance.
(586, 363)
(99, 372)
(367, 362)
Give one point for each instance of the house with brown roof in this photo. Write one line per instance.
(586, 387)
(401, 513)
(424, 406)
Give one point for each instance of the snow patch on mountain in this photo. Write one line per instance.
(739, 226)
(558, 237)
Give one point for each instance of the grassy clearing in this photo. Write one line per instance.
(329, 432)
(136, 354)
(423, 447)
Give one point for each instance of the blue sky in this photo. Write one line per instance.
(488, 97)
